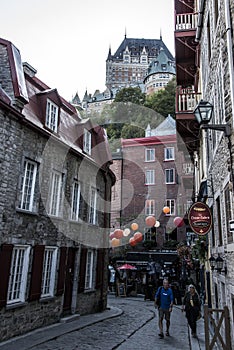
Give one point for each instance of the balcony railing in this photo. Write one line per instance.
(186, 100)
(186, 21)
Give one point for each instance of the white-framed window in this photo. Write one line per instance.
(28, 185)
(75, 207)
(150, 207)
(89, 269)
(55, 193)
(87, 141)
(51, 116)
(171, 204)
(150, 155)
(170, 176)
(150, 177)
(93, 206)
(169, 153)
(48, 274)
(18, 274)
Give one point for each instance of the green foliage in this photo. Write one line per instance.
(163, 101)
(133, 95)
(199, 250)
(131, 131)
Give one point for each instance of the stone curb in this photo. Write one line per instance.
(42, 335)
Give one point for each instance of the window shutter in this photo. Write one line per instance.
(83, 259)
(62, 269)
(36, 275)
(5, 265)
(99, 268)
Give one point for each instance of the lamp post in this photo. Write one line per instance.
(203, 113)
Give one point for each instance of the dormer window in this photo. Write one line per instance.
(52, 116)
(87, 141)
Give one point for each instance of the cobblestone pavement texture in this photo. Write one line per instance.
(131, 323)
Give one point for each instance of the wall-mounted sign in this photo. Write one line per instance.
(200, 218)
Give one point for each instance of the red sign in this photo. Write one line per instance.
(200, 218)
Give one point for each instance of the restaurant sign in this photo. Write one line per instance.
(200, 218)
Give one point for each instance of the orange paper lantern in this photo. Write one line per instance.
(150, 221)
(132, 241)
(115, 242)
(118, 233)
(134, 226)
(138, 236)
(166, 210)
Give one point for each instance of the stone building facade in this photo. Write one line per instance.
(55, 192)
(215, 39)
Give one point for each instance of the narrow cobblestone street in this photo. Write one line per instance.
(134, 326)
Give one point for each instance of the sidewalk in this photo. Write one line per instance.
(66, 325)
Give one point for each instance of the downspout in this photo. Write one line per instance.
(231, 73)
(200, 21)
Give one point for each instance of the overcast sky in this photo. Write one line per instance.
(67, 41)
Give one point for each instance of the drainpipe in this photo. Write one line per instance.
(200, 21)
(230, 52)
(231, 73)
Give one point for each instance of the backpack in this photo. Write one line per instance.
(158, 302)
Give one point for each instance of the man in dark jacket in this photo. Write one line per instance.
(192, 307)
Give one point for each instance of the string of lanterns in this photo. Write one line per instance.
(150, 221)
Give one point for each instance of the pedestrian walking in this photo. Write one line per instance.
(192, 307)
(164, 301)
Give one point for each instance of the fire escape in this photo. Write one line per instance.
(186, 55)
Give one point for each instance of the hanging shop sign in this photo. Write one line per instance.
(200, 218)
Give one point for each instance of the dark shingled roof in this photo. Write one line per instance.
(136, 46)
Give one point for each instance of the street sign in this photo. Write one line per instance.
(200, 218)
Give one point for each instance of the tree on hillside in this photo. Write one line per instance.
(163, 101)
(130, 94)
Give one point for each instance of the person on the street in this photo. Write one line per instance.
(164, 301)
(192, 307)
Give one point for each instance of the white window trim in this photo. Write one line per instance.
(93, 206)
(87, 142)
(150, 177)
(57, 194)
(49, 106)
(75, 215)
(89, 269)
(52, 272)
(152, 210)
(169, 204)
(24, 274)
(151, 150)
(169, 170)
(32, 192)
(166, 149)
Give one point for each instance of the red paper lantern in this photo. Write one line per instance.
(115, 242)
(134, 226)
(178, 221)
(138, 236)
(118, 233)
(132, 241)
(150, 221)
(166, 210)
